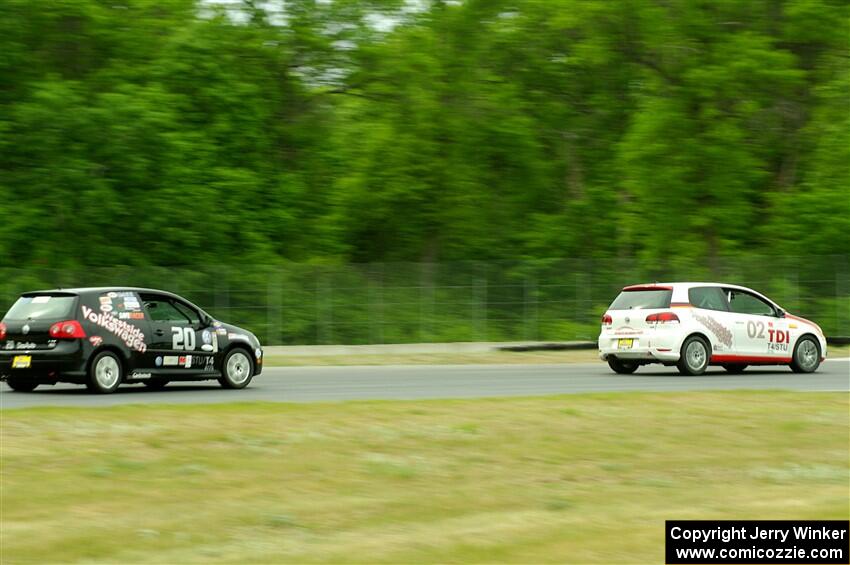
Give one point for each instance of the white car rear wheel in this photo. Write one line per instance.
(694, 356)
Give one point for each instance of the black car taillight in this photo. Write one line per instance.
(69, 329)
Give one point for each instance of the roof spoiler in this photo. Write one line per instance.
(636, 287)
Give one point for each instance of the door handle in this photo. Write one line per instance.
(159, 332)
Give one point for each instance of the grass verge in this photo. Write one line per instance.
(579, 478)
(489, 357)
(459, 358)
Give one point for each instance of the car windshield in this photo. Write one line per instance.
(636, 299)
(41, 307)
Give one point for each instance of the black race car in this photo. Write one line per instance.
(102, 337)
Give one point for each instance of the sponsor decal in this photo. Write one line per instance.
(112, 294)
(96, 340)
(240, 337)
(208, 362)
(105, 300)
(51, 343)
(22, 345)
(140, 376)
(723, 334)
(185, 360)
(132, 336)
(131, 315)
(170, 360)
(130, 303)
(221, 331)
(106, 307)
(210, 341)
(158, 361)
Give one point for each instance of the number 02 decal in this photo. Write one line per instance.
(755, 329)
(183, 338)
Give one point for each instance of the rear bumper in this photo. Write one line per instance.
(662, 347)
(65, 361)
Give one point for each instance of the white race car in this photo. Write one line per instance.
(694, 325)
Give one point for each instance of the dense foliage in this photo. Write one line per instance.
(174, 133)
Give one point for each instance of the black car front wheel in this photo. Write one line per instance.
(156, 383)
(21, 384)
(105, 373)
(237, 369)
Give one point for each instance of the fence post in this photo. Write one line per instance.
(273, 308)
(318, 296)
(840, 277)
(376, 311)
(482, 305)
(526, 307)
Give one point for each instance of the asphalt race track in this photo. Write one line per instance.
(316, 384)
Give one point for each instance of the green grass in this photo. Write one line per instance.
(581, 478)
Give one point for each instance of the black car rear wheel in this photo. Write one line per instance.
(21, 384)
(105, 373)
(237, 369)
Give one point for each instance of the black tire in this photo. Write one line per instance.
(237, 370)
(106, 372)
(622, 367)
(735, 368)
(692, 360)
(21, 384)
(156, 383)
(806, 357)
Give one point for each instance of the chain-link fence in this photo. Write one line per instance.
(551, 299)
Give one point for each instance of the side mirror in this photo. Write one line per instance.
(780, 313)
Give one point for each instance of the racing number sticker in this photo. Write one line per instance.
(755, 329)
(183, 339)
(777, 340)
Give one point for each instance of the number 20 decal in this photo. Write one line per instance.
(183, 338)
(755, 329)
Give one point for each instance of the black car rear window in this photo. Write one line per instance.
(637, 299)
(41, 307)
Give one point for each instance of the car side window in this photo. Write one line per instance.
(708, 298)
(742, 302)
(188, 312)
(162, 310)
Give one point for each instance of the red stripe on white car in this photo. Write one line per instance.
(749, 359)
